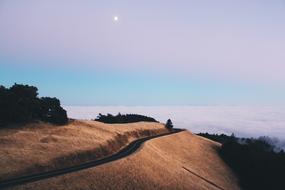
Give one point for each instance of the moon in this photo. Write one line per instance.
(116, 18)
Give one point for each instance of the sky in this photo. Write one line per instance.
(159, 52)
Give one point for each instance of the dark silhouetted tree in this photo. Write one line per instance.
(52, 112)
(258, 164)
(4, 105)
(24, 103)
(169, 124)
(121, 118)
(20, 103)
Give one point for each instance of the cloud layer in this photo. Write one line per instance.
(244, 121)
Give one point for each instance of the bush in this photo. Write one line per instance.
(119, 118)
(20, 103)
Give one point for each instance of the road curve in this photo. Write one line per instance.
(126, 151)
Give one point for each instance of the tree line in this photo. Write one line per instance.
(21, 104)
(129, 118)
(258, 163)
(123, 118)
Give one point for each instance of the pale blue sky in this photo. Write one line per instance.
(157, 53)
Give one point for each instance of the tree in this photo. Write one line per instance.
(4, 105)
(21, 104)
(52, 112)
(169, 124)
(24, 103)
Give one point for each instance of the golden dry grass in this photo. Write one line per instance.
(40, 147)
(157, 165)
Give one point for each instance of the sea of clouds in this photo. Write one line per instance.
(243, 121)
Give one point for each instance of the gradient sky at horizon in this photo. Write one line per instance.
(158, 52)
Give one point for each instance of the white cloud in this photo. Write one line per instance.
(242, 120)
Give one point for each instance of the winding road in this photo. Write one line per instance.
(126, 151)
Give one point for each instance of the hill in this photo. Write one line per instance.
(41, 147)
(179, 161)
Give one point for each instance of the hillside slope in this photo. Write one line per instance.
(179, 161)
(41, 147)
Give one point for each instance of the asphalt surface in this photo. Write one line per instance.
(126, 151)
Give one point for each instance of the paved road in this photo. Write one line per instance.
(131, 148)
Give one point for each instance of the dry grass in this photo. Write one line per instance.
(40, 147)
(157, 165)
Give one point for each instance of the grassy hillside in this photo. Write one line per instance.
(179, 161)
(41, 147)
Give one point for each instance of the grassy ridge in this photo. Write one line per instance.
(54, 147)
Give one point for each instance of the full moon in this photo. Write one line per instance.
(116, 18)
